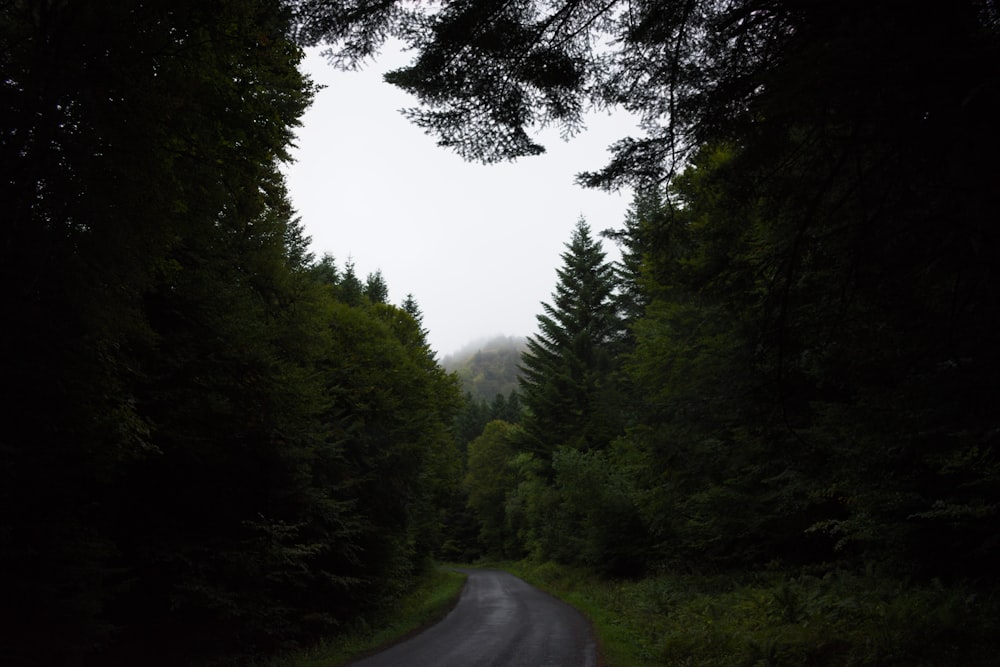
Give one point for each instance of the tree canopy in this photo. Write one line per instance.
(567, 367)
(218, 445)
(200, 419)
(487, 73)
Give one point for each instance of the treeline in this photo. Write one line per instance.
(488, 373)
(213, 443)
(793, 367)
(667, 427)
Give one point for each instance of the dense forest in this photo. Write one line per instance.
(213, 442)
(217, 444)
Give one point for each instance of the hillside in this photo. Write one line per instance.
(487, 368)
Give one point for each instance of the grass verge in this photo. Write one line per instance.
(619, 637)
(840, 619)
(426, 604)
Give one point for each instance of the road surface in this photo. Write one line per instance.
(499, 621)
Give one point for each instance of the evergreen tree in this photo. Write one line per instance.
(350, 289)
(324, 270)
(209, 454)
(145, 213)
(567, 368)
(646, 214)
(376, 288)
(506, 408)
(411, 306)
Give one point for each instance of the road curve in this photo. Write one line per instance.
(499, 621)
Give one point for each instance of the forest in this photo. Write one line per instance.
(218, 445)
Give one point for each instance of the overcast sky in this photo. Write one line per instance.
(476, 245)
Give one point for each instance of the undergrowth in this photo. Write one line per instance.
(421, 607)
(769, 619)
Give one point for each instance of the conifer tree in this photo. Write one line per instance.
(567, 368)
(376, 288)
(350, 289)
(411, 306)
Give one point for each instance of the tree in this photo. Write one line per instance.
(393, 406)
(350, 289)
(821, 263)
(198, 435)
(376, 289)
(790, 359)
(646, 214)
(597, 492)
(325, 271)
(506, 408)
(411, 306)
(487, 73)
(567, 367)
(825, 257)
(132, 132)
(488, 480)
(490, 368)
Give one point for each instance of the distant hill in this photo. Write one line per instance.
(487, 368)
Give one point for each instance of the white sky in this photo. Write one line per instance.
(476, 245)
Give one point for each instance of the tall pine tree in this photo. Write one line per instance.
(567, 368)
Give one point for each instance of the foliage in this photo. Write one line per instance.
(487, 74)
(217, 444)
(838, 619)
(431, 598)
(488, 369)
(568, 367)
(809, 288)
(601, 500)
(487, 482)
(809, 300)
(484, 370)
(780, 326)
(202, 421)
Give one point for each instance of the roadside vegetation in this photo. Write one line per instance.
(429, 601)
(773, 618)
(765, 619)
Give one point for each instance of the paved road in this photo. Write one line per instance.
(499, 621)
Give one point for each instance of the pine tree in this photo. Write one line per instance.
(376, 288)
(643, 222)
(324, 270)
(411, 306)
(567, 368)
(350, 289)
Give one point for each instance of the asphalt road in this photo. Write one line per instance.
(499, 621)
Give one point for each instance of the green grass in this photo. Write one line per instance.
(426, 604)
(620, 637)
(747, 620)
(774, 619)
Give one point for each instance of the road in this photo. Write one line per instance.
(499, 621)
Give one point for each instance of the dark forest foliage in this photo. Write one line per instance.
(212, 443)
(809, 284)
(215, 444)
(568, 367)
(806, 380)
